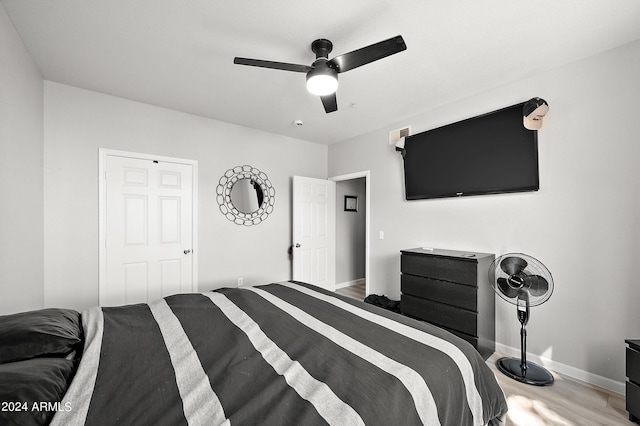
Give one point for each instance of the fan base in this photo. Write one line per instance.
(534, 374)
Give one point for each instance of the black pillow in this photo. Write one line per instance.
(31, 390)
(39, 333)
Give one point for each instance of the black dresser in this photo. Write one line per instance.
(451, 289)
(633, 384)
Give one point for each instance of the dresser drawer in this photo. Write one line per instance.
(440, 291)
(440, 314)
(633, 399)
(439, 267)
(633, 365)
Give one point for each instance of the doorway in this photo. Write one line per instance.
(345, 273)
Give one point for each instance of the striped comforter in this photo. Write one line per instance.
(286, 353)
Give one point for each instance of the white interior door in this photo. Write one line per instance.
(148, 219)
(314, 231)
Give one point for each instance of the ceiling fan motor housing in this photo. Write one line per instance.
(322, 47)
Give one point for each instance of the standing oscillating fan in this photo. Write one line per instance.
(523, 281)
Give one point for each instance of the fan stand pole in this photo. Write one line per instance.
(523, 349)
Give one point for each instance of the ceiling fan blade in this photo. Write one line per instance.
(330, 103)
(513, 265)
(536, 284)
(271, 64)
(505, 288)
(357, 58)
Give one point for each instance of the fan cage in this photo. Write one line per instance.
(534, 267)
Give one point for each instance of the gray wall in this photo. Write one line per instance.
(582, 224)
(21, 186)
(350, 232)
(78, 122)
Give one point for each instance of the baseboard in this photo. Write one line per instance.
(566, 370)
(359, 281)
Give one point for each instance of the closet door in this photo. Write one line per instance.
(148, 220)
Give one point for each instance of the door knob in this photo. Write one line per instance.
(297, 245)
(187, 251)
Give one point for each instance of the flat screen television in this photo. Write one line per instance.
(488, 154)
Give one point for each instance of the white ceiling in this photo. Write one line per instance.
(179, 54)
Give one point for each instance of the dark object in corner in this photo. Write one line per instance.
(383, 302)
(633, 381)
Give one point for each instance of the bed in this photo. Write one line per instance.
(277, 354)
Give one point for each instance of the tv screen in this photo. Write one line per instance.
(489, 154)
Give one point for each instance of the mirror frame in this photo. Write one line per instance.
(223, 191)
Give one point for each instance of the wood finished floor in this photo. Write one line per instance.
(568, 402)
(355, 291)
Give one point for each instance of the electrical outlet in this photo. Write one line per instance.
(240, 281)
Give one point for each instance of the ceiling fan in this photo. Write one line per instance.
(322, 75)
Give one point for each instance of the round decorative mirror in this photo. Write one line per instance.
(245, 195)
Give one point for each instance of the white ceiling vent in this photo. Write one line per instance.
(397, 136)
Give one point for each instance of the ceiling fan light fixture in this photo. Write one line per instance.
(322, 81)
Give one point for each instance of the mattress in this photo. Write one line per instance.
(278, 354)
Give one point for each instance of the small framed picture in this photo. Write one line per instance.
(350, 203)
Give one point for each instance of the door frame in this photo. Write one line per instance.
(103, 153)
(366, 174)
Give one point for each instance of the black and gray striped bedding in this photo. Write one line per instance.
(279, 354)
